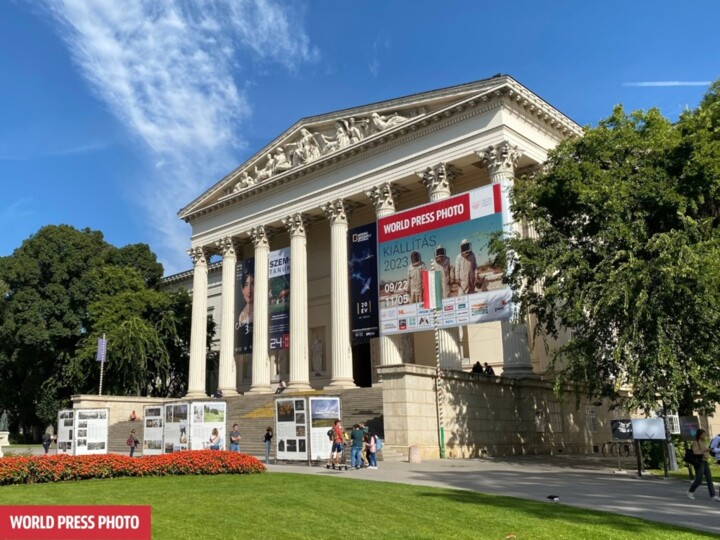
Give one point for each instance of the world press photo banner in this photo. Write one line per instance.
(279, 308)
(244, 297)
(362, 276)
(452, 237)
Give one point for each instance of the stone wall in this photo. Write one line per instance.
(482, 415)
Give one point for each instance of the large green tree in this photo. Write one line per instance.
(625, 256)
(62, 289)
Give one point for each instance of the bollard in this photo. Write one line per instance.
(414, 454)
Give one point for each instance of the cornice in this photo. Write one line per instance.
(509, 93)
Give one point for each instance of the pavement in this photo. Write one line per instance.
(578, 481)
(581, 481)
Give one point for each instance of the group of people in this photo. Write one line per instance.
(463, 273)
(363, 446)
(480, 370)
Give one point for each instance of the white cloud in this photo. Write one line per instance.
(169, 71)
(379, 45)
(667, 83)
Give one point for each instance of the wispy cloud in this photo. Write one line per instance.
(172, 72)
(667, 83)
(379, 45)
(18, 209)
(71, 151)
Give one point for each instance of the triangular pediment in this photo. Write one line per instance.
(327, 137)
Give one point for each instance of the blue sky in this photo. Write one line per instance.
(114, 115)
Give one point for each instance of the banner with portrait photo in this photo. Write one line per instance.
(244, 306)
(279, 299)
(452, 237)
(207, 416)
(362, 276)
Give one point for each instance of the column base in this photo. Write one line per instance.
(195, 394)
(227, 392)
(299, 386)
(260, 389)
(519, 372)
(341, 383)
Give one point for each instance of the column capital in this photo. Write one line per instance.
(198, 255)
(259, 236)
(500, 158)
(295, 224)
(335, 211)
(226, 246)
(438, 179)
(383, 197)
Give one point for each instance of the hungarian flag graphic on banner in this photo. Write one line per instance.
(432, 289)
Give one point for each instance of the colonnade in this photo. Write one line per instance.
(500, 161)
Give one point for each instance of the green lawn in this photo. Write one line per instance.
(682, 472)
(278, 505)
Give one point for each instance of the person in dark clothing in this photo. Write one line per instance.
(46, 441)
(489, 371)
(356, 436)
(477, 368)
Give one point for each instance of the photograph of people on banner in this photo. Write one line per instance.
(451, 238)
(279, 299)
(244, 298)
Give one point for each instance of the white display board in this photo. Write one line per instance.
(291, 429)
(91, 431)
(66, 425)
(206, 416)
(176, 428)
(652, 429)
(153, 430)
(323, 412)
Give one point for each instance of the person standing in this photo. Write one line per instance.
(702, 454)
(132, 442)
(267, 439)
(356, 438)
(235, 439)
(372, 450)
(489, 371)
(465, 268)
(215, 440)
(477, 368)
(338, 446)
(46, 441)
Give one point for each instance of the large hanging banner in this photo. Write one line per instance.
(206, 416)
(362, 272)
(323, 412)
(279, 309)
(91, 431)
(153, 430)
(66, 424)
(291, 429)
(175, 431)
(245, 293)
(452, 237)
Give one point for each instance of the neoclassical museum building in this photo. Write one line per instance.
(298, 201)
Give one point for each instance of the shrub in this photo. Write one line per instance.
(58, 468)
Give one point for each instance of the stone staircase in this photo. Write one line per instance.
(118, 434)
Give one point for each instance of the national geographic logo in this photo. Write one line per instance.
(360, 237)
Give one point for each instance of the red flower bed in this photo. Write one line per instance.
(36, 469)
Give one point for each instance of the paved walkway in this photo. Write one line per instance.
(582, 482)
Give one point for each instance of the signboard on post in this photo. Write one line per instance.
(648, 429)
(291, 429)
(622, 429)
(153, 430)
(452, 237)
(323, 412)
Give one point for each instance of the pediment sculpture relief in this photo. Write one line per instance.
(310, 146)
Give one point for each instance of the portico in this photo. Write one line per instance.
(330, 173)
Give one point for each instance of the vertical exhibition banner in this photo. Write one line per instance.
(279, 299)
(153, 430)
(66, 425)
(91, 431)
(206, 416)
(175, 430)
(323, 412)
(244, 298)
(291, 429)
(362, 274)
(451, 237)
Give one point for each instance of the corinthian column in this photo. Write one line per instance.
(260, 359)
(384, 202)
(438, 182)
(198, 330)
(226, 376)
(299, 366)
(340, 301)
(500, 161)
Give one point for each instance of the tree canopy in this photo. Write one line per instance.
(64, 288)
(623, 265)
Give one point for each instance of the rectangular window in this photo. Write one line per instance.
(591, 418)
(556, 419)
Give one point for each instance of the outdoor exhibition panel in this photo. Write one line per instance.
(291, 428)
(206, 416)
(65, 431)
(153, 430)
(175, 430)
(82, 431)
(323, 412)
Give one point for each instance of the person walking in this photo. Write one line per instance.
(132, 442)
(338, 446)
(356, 437)
(267, 439)
(702, 452)
(46, 441)
(235, 439)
